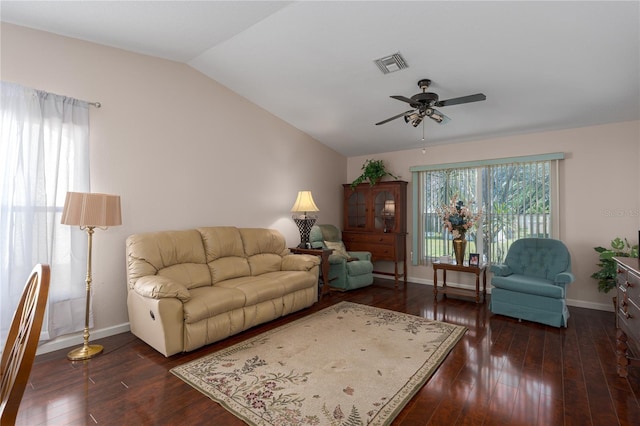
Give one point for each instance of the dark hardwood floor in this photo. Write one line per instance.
(502, 372)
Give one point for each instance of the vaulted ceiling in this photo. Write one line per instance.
(542, 65)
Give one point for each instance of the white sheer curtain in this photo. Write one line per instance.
(44, 152)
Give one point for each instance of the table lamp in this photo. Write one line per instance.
(301, 208)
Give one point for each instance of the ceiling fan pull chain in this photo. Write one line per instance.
(424, 144)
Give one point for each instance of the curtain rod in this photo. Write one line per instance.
(95, 104)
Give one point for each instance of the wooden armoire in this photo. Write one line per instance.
(375, 220)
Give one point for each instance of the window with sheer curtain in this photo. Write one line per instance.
(44, 152)
(517, 196)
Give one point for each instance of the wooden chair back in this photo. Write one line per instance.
(22, 342)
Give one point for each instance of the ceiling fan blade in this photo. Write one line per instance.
(438, 117)
(462, 100)
(405, 99)
(394, 117)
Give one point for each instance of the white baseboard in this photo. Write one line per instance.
(71, 340)
(570, 302)
(590, 305)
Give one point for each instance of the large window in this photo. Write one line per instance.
(517, 197)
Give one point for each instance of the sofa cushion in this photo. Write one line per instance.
(207, 302)
(221, 241)
(259, 240)
(224, 253)
(528, 285)
(148, 253)
(264, 249)
(256, 289)
(191, 275)
(227, 268)
(265, 262)
(293, 280)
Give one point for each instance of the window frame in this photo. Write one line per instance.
(553, 158)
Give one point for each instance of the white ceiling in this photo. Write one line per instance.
(542, 65)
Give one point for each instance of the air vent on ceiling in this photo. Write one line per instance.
(391, 63)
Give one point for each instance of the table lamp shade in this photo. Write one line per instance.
(389, 208)
(91, 209)
(304, 203)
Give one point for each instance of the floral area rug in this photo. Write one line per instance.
(348, 364)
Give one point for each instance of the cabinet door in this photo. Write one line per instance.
(355, 209)
(384, 209)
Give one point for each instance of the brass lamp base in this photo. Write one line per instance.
(85, 352)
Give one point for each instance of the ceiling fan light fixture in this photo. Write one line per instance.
(391, 63)
(411, 117)
(437, 117)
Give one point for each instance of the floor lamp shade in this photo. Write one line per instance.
(301, 208)
(90, 211)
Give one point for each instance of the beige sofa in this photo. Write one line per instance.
(189, 288)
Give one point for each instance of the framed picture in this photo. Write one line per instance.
(474, 259)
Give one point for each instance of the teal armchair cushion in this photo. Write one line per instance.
(531, 284)
(345, 274)
(538, 257)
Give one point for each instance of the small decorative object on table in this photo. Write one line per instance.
(458, 219)
(474, 259)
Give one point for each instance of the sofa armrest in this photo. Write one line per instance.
(501, 270)
(299, 262)
(158, 287)
(360, 255)
(564, 278)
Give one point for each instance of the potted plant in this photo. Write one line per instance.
(607, 275)
(372, 170)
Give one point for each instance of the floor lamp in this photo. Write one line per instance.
(90, 211)
(301, 208)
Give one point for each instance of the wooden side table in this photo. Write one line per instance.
(324, 264)
(477, 270)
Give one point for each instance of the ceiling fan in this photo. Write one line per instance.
(423, 105)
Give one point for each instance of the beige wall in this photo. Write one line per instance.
(180, 149)
(598, 198)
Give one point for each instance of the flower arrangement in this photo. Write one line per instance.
(457, 218)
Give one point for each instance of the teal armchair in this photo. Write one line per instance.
(532, 282)
(347, 270)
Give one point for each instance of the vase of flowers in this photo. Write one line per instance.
(458, 219)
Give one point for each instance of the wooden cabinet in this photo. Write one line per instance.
(627, 314)
(375, 220)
